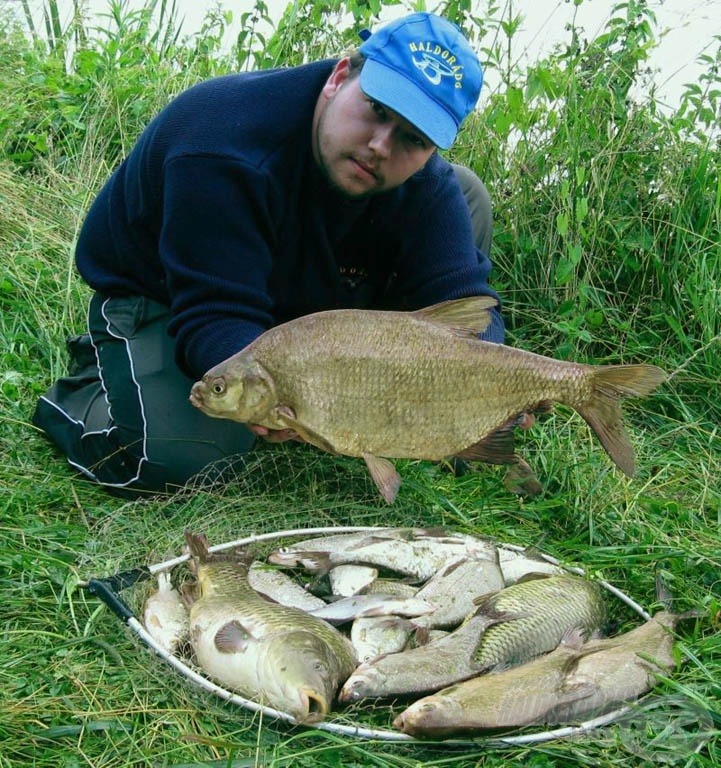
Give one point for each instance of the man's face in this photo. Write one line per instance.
(361, 146)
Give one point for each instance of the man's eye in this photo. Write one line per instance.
(379, 109)
(416, 140)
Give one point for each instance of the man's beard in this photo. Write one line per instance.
(324, 166)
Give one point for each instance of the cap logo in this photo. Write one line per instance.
(436, 62)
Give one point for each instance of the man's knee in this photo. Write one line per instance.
(479, 204)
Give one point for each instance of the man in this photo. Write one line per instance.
(252, 199)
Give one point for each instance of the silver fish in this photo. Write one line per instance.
(375, 636)
(351, 578)
(394, 587)
(281, 588)
(455, 586)
(515, 565)
(415, 553)
(357, 606)
(165, 615)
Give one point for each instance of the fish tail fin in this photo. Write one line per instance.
(611, 384)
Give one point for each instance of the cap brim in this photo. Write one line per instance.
(411, 102)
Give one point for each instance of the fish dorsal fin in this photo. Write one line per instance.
(232, 637)
(534, 576)
(384, 475)
(197, 544)
(465, 317)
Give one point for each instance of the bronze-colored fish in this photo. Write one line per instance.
(533, 615)
(418, 385)
(519, 696)
(275, 654)
(618, 669)
(572, 683)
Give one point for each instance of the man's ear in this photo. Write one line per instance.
(337, 77)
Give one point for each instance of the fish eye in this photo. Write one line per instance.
(217, 386)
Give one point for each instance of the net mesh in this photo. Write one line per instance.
(277, 488)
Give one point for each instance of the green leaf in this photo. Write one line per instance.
(562, 224)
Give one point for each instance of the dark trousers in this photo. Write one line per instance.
(122, 415)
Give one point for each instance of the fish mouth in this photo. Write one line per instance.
(427, 719)
(313, 706)
(196, 398)
(352, 692)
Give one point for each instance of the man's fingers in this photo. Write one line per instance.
(526, 420)
(281, 435)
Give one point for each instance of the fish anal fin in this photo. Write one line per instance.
(384, 475)
(496, 448)
(232, 637)
(465, 317)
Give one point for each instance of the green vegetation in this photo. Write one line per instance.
(607, 249)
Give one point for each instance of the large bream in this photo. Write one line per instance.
(418, 385)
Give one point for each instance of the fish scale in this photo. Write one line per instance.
(225, 583)
(354, 402)
(534, 615)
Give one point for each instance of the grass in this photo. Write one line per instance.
(606, 250)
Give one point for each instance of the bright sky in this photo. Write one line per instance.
(686, 29)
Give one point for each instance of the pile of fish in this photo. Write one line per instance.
(471, 635)
(414, 385)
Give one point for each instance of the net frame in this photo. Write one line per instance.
(107, 590)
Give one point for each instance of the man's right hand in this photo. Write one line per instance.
(274, 435)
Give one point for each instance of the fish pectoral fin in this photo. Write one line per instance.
(573, 638)
(384, 475)
(232, 637)
(464, 317)
(286, 415)
(568, 694)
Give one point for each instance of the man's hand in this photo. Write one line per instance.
(274, 435)
(525, 421)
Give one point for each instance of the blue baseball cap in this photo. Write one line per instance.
(422, 67)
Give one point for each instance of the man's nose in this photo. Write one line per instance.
(381, 141)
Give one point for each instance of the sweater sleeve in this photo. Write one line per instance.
(216, 245)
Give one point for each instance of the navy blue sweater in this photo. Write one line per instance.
(220, 212)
